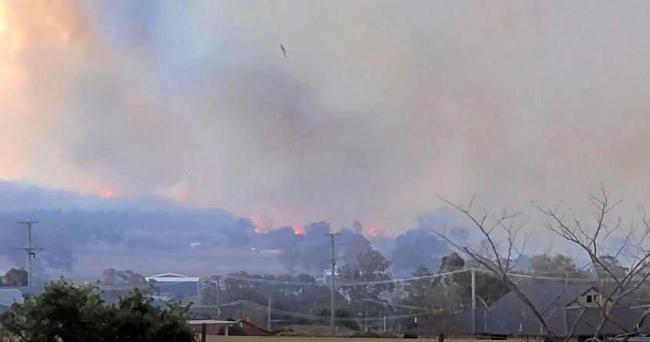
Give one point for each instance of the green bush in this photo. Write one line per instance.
(366, 334)
(64, 312)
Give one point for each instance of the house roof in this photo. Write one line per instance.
(172, 277)
(511, 316)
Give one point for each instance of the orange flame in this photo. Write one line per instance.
(257, 224)
(106, 193)
(370, 231)
(298, 230)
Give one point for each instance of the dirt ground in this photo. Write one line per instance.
(321, 339)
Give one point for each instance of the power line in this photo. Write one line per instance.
(273, 282)
(313, 317)
(346, 284)
(401, 280)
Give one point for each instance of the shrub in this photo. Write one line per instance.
(64, 312)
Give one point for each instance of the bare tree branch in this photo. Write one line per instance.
(503, 262)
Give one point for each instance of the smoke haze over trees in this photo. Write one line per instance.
(83, 235)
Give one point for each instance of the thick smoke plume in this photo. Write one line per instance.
(378, 107)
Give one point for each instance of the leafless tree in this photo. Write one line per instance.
(504, 243)
(599, 237)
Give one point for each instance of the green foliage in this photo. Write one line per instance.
(366, 334)
(367, 301)
(113, 277)
(343, 318)
(452, 293)
(558, 265)
(613, 265)
(289, 297)
(372, 262)
(370, 265)
(69, 313)
(452, 262)
(14, 277)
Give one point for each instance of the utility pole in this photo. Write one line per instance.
(30, 251)
(332, 285)
(218, 297)
(474, 300)
(268, 315)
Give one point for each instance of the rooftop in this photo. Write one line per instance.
(172, 277)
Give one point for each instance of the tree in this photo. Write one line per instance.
(499, 258)
(351, 243)
(301, 293)
(113, 277)
(290, 257)
(64, 312)
(503, 245)
(365, 299)
(558, 265)
(372, 262)
(209, 291)
(592, 238)
(15, 277)
(117, 283)
(610, 264)
(343, 318)
(451, 262)
(421, 291)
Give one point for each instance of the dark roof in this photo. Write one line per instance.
(511, 316)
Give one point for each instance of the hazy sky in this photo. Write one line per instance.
(378, 108)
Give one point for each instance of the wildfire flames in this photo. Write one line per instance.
(370, 231)
(106, 193)
(298, 230)
(263, 225)
(257, 225)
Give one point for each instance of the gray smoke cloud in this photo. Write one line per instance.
(378, 108)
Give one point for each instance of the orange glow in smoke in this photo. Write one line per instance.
(257, 224)
(370, 231)
(298, 230)
(106, 193)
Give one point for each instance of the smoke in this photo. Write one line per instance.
(80, 236)
(377, 109)
(420, 246)
(74, 229)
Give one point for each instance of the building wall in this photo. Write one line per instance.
(583, 301)
(177, 290)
